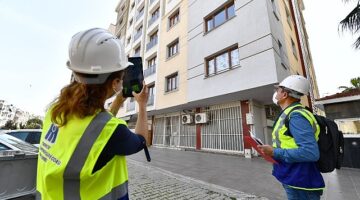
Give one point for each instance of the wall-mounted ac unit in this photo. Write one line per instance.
(187, 119)
(201, 118)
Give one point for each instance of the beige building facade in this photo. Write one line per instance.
(211, 67)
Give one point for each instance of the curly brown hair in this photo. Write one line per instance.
(81, 100)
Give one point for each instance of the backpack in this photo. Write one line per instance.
(331, 143)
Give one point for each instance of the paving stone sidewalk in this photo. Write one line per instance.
(149, 182)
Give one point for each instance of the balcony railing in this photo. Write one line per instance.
(139, 15)
(149, 71)
(130, 106)
(137, 35)
(150, 100)
(153, 19)
(151, 44)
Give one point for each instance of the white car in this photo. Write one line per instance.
(31, 136)
(18, 161)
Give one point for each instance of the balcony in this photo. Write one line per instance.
(149, 71)
(139, 15)
(153, 19)
(150, 100)
(151, 44)
(130, 106)
(137, 35)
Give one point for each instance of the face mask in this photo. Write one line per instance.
(274, 98)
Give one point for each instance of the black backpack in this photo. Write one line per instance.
(331, 143)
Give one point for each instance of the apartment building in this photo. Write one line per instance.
(211, 67)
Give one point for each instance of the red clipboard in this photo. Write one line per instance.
(254, 145)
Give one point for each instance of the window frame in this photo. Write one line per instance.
(170, 46)
(294, 48)
(213, 57)
(172, 17)
(211, 17)
(169, 79)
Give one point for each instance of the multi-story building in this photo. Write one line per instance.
(211, 67)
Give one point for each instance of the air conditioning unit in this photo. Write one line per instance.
(187, 119)
(201, 118)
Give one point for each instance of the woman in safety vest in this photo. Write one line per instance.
(83, 147)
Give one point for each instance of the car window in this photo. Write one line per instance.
(20, 135)
(17, 143)
(3, 147)
(33, 138)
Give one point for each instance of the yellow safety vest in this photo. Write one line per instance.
(300, 175)
(68, 154)
(280, 140)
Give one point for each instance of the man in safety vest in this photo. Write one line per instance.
(83, 147)
(295, 150)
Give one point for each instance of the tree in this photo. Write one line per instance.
(352, 22)
(10, 125)
(355, 84)
(34, 123)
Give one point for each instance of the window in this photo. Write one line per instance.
(130, 22)
(288, 16)
(172, 82)
(142, 9)
(137, 51)
(174, 19)
(222, 61)
(128, 40)
(151, 90)
(152, 62)
(155, 13)
(133, 5)
(173, 48)
(282, 54)
(293, 46)
(139, 29)
(3, 147)
(273, 4)
(120, 21)
(154, 36)
(151, 94)
(220, 16)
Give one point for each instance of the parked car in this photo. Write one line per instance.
(18, 161)
(31, 136)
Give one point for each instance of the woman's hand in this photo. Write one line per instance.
(143, 96)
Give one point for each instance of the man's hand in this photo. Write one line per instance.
(267, 149)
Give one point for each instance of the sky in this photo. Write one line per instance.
(35, 36)
(335, 60)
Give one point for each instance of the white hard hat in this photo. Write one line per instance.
(296, 83)
(96, 51)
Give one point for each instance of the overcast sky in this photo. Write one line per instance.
(35, 36)
(335, 60)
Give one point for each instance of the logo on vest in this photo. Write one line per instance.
(51, 135)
